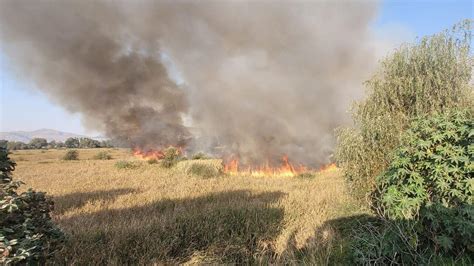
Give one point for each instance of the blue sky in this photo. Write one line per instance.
(23, 108)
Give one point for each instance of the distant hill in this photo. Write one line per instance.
(49, 134)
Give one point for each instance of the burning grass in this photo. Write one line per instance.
(286, 169)
(156, 215)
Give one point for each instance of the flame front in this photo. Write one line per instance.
(286, 169)
(328, 168)
(148, 155)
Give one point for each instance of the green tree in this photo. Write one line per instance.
(52, 144)
(16, 145)
(88, 143)
(430, 76)
(38, 143)
(60, 144)
(71, 143)
(106, 144)
(425, 198)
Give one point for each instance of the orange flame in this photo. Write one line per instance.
(286, 169)
(328, 168)
(149, 154)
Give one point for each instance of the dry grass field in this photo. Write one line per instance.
(152, 215)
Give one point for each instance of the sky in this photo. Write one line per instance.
(24, 108)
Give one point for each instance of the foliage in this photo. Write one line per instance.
(107, 144)
(171, 157)
(27, 232)
(88, 143)
(51, 145)
(386, 242)
(152, 161)
(71, 155)
(204, 170)
(102, 155)
(125, 165)
(16, 145)
(425, 197)
(72, 143)
(38, 143)
(200, 156)
(430, 76)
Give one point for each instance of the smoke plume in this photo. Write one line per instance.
(250, 79)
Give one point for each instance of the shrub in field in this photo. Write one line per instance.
(171, 157)
(102, 155)
(430, 76)
(152, 161)
(205, 168)
(126, 165)
(27, 233)
(306, 175)
(200, 156)
(71, 155)
(426, 195)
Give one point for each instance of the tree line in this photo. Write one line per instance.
(71, 143)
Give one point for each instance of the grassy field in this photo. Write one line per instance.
(149, 214)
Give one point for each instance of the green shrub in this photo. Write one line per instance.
(426, 195)
(71, 155)
(430, 76)
(126, 165)
(204, 170)
(27, 233)
(152, 161)
(102, 155)
(200, 156)
(171, 157)
(386, 242)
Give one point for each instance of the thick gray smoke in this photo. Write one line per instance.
(253, 79)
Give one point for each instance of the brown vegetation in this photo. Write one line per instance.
(152, 214)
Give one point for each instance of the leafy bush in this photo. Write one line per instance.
(16, 145)
(204, 170)
(88, 143)
(426, 195)
(171, 157)
(126, 165)
(71, 155)
(386, 242)
(102, 155)
(152, 161)
(430, 76)
(200, 156)
(38, 143)
(27, 232)
(72, 143)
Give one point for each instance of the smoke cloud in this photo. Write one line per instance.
(251, 79)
